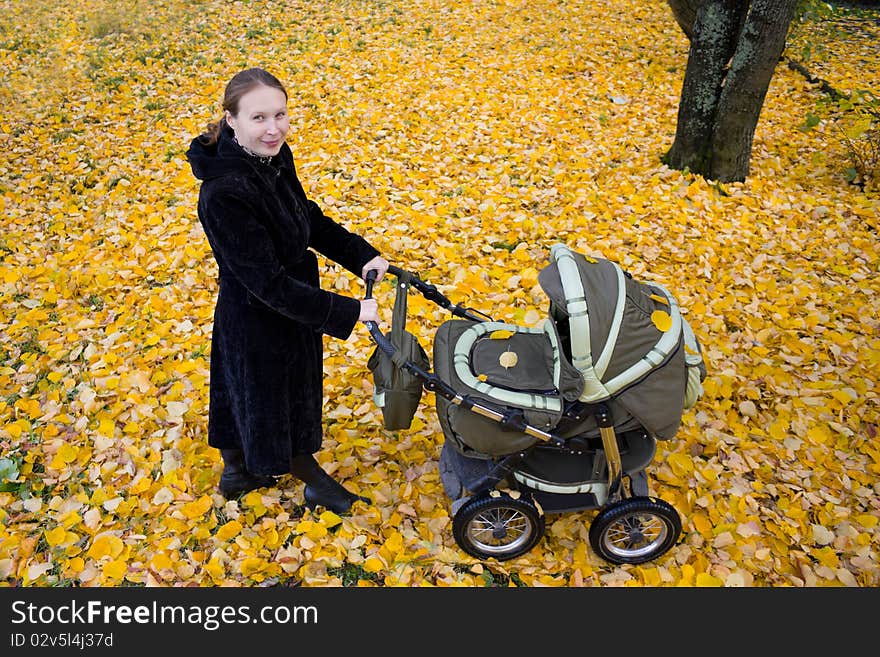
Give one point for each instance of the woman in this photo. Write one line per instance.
(266, 348)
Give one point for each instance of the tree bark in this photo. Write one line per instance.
(751, 69)
(685, 13)
(713, 40)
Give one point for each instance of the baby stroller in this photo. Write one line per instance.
(558, 418)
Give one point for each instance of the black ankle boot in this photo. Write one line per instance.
(322, 489)
(235, 479)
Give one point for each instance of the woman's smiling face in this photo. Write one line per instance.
(261, 123)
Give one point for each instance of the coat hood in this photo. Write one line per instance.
(225, 157)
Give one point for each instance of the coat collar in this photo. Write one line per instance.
(227, 157)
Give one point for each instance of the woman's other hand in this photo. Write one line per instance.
(369, 311)
(378, 263)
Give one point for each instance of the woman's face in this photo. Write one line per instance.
(262, 122)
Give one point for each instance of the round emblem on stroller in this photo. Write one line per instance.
(508, 359)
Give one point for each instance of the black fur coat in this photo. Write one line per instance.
(266, 346)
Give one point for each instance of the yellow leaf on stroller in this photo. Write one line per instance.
(661, 320)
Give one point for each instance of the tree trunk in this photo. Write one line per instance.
(719, 106)
(711, 45)
(751, 69)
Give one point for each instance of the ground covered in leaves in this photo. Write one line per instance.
(464, 139)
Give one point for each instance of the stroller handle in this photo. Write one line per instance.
(383, 342)
(430, 292)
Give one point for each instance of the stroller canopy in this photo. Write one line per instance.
(592, 294)
(624, 334)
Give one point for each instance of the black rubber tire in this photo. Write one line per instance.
(498, 527)
(635, 530)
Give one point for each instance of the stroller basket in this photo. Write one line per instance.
(533, 421)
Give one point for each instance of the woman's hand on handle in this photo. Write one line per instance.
(378, 263)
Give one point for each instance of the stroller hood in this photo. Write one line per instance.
(628, 339)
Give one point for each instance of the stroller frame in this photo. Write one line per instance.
(499, 516)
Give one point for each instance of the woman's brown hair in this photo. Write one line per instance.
(241, 83)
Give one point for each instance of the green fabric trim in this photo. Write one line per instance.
(598, 488)
(550, 331)
(694, 387)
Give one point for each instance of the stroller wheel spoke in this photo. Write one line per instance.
(636, 532)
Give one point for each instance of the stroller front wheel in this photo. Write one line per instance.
(635, 530)
(499, 527)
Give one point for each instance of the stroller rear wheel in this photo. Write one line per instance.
(635, 530)
(500, 527)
